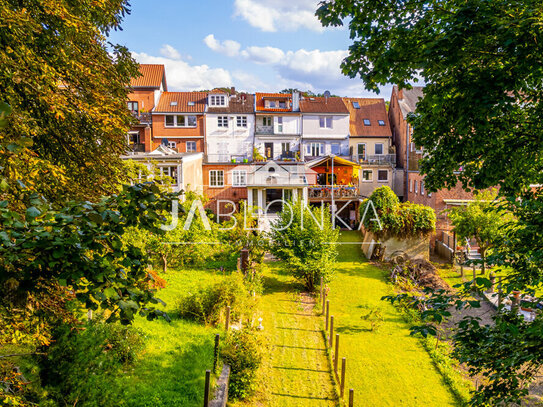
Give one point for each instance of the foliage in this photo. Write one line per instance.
(479, 118)
(80, 362)
(481, 219)
(208, 303)
(243, 351)
(69, 118)
(305, 239)
(394, 218)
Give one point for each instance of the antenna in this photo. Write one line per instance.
(326, 95)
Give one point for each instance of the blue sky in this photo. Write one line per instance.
(254, 45)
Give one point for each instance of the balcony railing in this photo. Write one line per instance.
(260, 129)
(376, 159)
(339, 191)
(282, 179)
(143, 118)
(228, 158)
(137, 147)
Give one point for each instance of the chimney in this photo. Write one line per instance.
(400, 94)
(295, 101)
(232, 90)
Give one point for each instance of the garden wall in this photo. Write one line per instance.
(414, 247)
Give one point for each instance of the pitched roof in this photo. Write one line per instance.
(152, 76)
(260, 106)
(178, 102)
(238, 103)
(410, 98)
(373, 109)
(321, 105)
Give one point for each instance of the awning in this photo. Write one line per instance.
(328, 160)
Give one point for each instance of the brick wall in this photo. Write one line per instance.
(228, 192)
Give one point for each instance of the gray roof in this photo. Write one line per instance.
(410, 99)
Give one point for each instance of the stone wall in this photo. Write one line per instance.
(414, 247)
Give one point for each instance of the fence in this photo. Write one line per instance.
(339, 375)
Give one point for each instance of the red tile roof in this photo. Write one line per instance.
(322, 105)
(152, 76)
(181, 101)
(260, 102)
(372, 109)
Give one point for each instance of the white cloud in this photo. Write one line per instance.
(263, 55)
(169, 52)
(228, 47)
(181, 76)
(275, 15)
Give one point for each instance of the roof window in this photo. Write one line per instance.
(191, 103)
(367, 122)
(356, 105)
(381, 122)
(173, 103)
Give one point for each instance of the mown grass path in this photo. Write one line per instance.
(297, 371)
(386, 367)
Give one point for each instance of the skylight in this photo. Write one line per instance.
(173, 103)
(356, 105)
(191, 103)
(367, 122)
(381, 122)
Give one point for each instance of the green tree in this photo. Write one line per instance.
(480, 122)
(305, 239)
(480, 219)
(67, 88)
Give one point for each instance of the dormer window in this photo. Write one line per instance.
(217, 100)
(271, 104)
(282, 105)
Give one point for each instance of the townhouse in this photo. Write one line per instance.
(402, 103)
(370, 144)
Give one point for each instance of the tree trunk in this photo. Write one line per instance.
(483, 258)
(164, 263)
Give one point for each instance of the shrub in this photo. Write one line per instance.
(396, 219)
(305, 243)
(243, 350)
(207, 304)
(79, 365)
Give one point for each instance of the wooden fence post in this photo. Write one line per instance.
(324, 301)
(206, 390)
(216, 353)
(492, 278)
(336, 355)
(342, 382)
(500, 292)
(322, 287)
(327, 315)
(331, 330)
(351, 397)
(227, 324)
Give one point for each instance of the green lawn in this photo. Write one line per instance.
(387, 367)
(171, 370)
(297, 371)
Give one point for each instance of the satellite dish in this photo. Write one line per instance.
(164, 142)
(326, 95)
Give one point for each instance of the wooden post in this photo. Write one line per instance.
(342, 382)
(206, 390)
(327, 315)
(462, 270)
(216, 353)
(331, 330)
(500, 292)
(351, 397)
(323, 302)
(474, 285)
(244, 259)
(227, 324)
(322, 287)
(492, 281)
(336, 355)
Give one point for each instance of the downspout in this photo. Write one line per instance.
(407, 163)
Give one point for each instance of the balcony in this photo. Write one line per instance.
(340, 192)
(143, 118)
(260, 129)
(280, 179)
(137, 147)
(228, 158)
(376, 159)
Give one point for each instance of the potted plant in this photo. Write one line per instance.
(245, 160)
(233, 160)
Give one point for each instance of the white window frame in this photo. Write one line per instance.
(422, 187)
(365, 151)
(325, 122)
(380, 172)
(318, 146)
(382, 148)
(279, 124)
(167, 170)
(216, 178)
(241, 121)
(186, 119)
(267, 121)
(217, 100)
(172, 144)
(410, 185)
(239, 178)
(192, 143)
(416, 187)
(222, 122)
(370, 178)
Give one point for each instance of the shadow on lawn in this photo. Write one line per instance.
(295, 396)
(174, 378)
(274, 285)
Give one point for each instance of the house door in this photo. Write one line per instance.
(268, 148)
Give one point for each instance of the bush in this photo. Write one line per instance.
(207, 304)
(79, 365)
(396, 219)
(243, 350)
